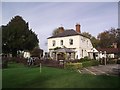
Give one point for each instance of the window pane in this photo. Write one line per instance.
(61, 42)
(53, 42)
(71, 41)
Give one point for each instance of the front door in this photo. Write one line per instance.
(61, 56)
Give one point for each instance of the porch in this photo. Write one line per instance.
(63, 54)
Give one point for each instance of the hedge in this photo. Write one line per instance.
(73, 66)
(85, 59)
(90, 63)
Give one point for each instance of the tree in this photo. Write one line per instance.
(5, 46)
(94, 40)
(16, 36)
(87, 34)
(107, 38)
(57, 31)
(37, 52)
(118, 37)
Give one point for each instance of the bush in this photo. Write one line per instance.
(95, 63)
(78, 65)
(118, 61)
(111, 62)
(85, 59)
(73, 66)
(90, 63)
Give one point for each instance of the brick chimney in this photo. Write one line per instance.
(61, 29)
(78, 28)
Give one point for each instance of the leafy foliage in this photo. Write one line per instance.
(16, 35)
(87, 34)
(73, 66)
(57, 31)
(85, 59)
(107, 38)
(36, 52)
(93, 39)
(118, 36)
(90, 63)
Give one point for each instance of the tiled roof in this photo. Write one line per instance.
(109, 50)
(66, 33)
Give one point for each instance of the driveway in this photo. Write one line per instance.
(110, 69)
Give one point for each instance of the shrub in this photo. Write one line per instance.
(87, 63)
(95, 63)
(90, 63)
(37, 52)
(73, 66)
(112, 62)
(85, 59)
(118, 61)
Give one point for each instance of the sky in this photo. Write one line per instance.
(44, 17)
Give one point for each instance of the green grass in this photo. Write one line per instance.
(19, 76)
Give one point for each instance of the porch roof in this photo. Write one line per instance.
(65, 50)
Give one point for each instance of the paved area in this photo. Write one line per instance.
(110, 69)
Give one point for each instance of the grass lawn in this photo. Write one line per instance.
(19, 76)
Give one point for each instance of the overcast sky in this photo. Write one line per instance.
(43, 18)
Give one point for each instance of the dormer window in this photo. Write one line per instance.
(71, 41)
(61, 42)
(53, 42)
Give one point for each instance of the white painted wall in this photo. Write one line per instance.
(65, 42)
(111, 55)
(79, 43)
(26, 55)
